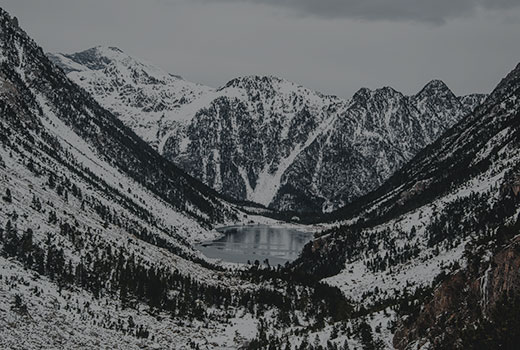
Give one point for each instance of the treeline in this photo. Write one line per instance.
(107, 271)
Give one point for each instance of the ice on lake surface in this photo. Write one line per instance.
(242, 243)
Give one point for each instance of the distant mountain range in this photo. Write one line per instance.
(265, 139)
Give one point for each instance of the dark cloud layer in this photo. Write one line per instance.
(436, 11)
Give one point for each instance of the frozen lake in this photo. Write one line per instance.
(259, 242)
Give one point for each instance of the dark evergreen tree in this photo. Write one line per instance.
(11, 239)
(7, 197)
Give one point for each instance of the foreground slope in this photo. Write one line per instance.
(267, 140)
(447, 208)
(92, 219)
(476, 307)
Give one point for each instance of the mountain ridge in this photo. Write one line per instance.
(271, 166)
(439, 221)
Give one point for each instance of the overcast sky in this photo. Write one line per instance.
(333, 46)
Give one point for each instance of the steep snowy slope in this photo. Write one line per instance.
(119, 145)
(143, 96)
(392, 246)
(95, 233)
(265, 139)
(97, 140)
(79, 229)
(367, 143)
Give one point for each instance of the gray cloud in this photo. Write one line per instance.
(434, 11)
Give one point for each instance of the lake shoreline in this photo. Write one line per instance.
(242, 243)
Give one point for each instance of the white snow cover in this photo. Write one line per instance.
(355, 279)
(133, 89)
(381, 128)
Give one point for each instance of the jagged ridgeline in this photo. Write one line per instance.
(265, 139)
(455, 204)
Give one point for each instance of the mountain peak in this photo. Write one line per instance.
(6, 16)
(92, 58)
(387, 91)
(436, 90)
(362, 94)
(435, 86)
(108, 51)
(98, 57)
(436, 83)
(100, 50)
(113, 48)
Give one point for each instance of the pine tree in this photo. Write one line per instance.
(36, 204)
(19, 305)
(26, 245)
(52, 182)
(334, 332)
(11, 240)
(53, 219)
(7, 197)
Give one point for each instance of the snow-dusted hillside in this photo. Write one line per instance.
(96, 231)
(143, 96)
(265, 139)
(457, 197)
(72, 214)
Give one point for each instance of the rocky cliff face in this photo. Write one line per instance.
(467, 303)
(379, 132)
(245, 139)
(267, 140)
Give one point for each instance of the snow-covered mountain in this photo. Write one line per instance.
(143, 96)
(247, 137)
(450, 214)
(265, 139)
(366, 143)
(96, 233)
